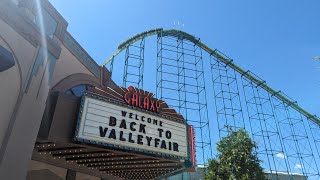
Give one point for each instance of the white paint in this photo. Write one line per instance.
(97, 113)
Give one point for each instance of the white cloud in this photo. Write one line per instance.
(316, 58)
(281, 155)
(298, 166)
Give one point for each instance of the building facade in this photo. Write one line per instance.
(33, 67)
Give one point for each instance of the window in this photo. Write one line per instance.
(78, 90)
(44, 57)
(49, 23)
(44, 60)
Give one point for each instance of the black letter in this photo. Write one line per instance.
(175, 147)
(137, 117)
(103, 131)
(124, 113)
(156, 142)
(112, 134)
(155, 122)
(121, 136)
(160, 123)
(112, 121)
(163, 145)
(131, 126)
(140, 139)
(170, 146)
(168, 134)
(142, 128)
(130, 115)
(160, 132)
(142, 118)
(123, 124)
(149, 140)
(149, 120)
(130, 138)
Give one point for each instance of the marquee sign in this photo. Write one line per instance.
(132, 120)
(142, 101)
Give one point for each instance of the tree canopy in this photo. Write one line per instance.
(235, 159)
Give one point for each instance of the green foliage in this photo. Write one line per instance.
(235, 159)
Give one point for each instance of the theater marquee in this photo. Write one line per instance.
(127, 127)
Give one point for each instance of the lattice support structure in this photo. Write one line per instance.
(264, 127)
(111, 67)
(299, 152)
(134, 65)
(181, 83)
(315, 132)
(288, 137)
(226, 96)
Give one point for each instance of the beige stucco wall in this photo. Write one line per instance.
(10, 79)
(9, 88)
(67, 65)
(22, 49)
(26, 110)
(22, 108)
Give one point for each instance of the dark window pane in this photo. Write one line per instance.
(78, 90)
(88, 87)
(49, 23)
(69, 92)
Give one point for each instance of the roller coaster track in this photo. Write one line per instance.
(227, 61)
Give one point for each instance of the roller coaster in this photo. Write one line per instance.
(215, 95)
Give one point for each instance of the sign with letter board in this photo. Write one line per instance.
(126, 127)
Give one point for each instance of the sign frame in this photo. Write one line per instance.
(187, 160)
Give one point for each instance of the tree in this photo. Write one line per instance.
(235, 159)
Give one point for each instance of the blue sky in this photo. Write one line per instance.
(274, 39)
